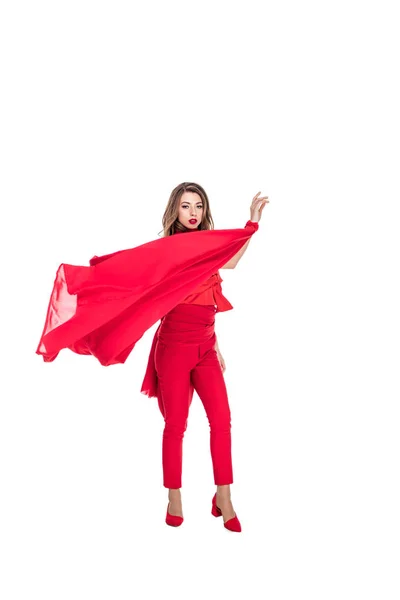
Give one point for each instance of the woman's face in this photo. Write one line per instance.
(191, 207)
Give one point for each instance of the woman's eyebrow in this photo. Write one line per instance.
(187, 202)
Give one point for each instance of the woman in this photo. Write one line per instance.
(185, 357)
(103, 309)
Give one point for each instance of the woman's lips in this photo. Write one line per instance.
(192, 220)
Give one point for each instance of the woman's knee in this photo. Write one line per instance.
(221, 422)
(175, 427)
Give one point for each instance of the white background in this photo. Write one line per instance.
(105, 108)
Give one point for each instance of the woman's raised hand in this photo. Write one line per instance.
(257, 206)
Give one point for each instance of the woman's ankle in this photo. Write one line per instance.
(224, 491)
(174, 493)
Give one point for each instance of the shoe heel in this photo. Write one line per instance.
(216, 512)
(214, 508)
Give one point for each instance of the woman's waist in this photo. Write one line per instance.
(188, 323)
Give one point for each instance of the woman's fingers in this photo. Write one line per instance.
(257, 199)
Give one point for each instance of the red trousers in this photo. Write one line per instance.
(185, 360)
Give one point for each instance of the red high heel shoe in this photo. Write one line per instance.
(173, 520)
(232, 524)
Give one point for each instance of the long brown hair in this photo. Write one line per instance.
(170, 221)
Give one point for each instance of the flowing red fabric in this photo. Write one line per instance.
(105, 308)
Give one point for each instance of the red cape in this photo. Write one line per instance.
(104, 309)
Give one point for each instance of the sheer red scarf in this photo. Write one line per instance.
(105, 308)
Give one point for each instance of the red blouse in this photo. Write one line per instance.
(209, 292)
